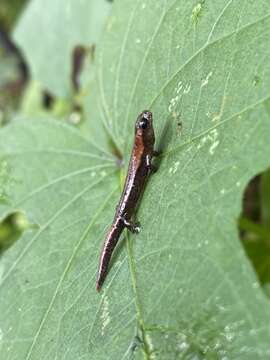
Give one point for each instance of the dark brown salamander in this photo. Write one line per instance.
(139, 168)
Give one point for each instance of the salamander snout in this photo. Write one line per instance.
(144, 120)
(147, 115)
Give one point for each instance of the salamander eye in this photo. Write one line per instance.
(143, 124)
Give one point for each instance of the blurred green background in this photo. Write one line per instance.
(12, 71)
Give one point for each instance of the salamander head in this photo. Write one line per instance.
(144, 129)
(144, 121)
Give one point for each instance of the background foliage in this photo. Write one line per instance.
(184, 288)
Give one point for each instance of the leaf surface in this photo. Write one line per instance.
(183, 288)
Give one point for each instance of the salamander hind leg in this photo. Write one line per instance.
(133, 227)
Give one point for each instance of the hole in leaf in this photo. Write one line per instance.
(47, 100)
(11, 228)
(254, 226)
(78, 59)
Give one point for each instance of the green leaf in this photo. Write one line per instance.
(47, 35)
(183, 288)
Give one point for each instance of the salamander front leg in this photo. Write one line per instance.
(133, 227)
(149, 164)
